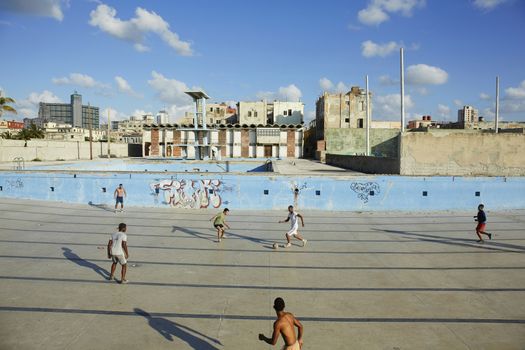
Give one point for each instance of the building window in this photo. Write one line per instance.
(285, 112)
(289, 112)
(249, 113)
(255, 114)
(347, 120)
(211, 109)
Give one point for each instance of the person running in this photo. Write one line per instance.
(284, 325)
(119, 195)
(219, 221)
(292, 217)
(481, 218)
(118, 252)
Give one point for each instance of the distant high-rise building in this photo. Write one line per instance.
(73, 113)
(467, 116)
(163, 117)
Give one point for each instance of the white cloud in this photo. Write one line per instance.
(136, 28)
(458, 103)
(516, 92)
(45, 8)
(388, 107)
(484, 96)
(378, 11)
(387, 80)
(327, 85)
(124, 87)
(371, 49)
(28, 107)
(79, 79)
(488, 5)
(424, 74)
(443, 111)
(113, 115)
(171, 91)
(285, 93)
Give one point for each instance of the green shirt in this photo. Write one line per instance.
(219, 219)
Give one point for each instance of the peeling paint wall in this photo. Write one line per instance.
(457, 153)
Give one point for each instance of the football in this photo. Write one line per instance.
(275, 245)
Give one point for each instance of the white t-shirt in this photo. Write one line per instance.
(293, 219)
(118, 238)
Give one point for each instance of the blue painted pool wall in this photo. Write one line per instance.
(369, 193)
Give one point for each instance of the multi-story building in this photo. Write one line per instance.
(424, 122)
(216, 113)
(162, 117)
(11, 126)
(270, 113)
(73, 113)
(134, 124)
(66, 132)
(468, 117)
(341, 110)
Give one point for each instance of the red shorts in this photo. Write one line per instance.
(480, 228)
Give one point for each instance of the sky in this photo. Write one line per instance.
(135, 57)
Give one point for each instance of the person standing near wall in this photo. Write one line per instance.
(284, 325)
(119, 195)
(292, 217)
(481, 218)
(118, 252)
(219, 221)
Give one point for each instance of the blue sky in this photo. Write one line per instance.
(140, 56)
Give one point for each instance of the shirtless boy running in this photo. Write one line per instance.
(284, 325)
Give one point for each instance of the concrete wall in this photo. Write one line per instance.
(448, 152)
(57, 150)
(370, 193)
(383, 142)
(364, 164)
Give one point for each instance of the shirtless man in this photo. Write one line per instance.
(285, 326)
(119, 195)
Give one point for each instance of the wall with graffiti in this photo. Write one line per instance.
(206, 191)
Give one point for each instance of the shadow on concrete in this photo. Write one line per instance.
(462, 242)
(193, 233)
(101, 206)
(248, 238)
(169, 329)
(68, 254)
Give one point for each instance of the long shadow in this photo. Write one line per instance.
(249, 238)
(462, 242)
(193, 233)
(169, 329)
(68, 254)
(101, 206)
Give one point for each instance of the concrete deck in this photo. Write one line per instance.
(364, 281)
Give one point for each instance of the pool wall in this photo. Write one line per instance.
(367, 193)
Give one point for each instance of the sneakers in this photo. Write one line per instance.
(490, 235)
(110, 278)
(479, 241)
(124, 281)
(304, 242)
(288, 245)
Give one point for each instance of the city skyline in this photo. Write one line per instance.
(138, 57)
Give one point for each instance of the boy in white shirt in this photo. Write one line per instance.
(292, 217)
(118, 252)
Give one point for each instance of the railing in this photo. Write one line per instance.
(19, 163)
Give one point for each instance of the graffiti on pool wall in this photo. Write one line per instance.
(190, 194)
(14, 184)
(365, 189)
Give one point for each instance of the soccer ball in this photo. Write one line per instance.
(275, 245)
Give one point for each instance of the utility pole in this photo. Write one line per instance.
(367, 120)
(496, 126)
(109, 134)
(402, 74)
(90, 114)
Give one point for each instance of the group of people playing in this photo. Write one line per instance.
(286, 322)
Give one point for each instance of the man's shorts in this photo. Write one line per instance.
(480, 228)
(120, 200)
(219, 226)
(121, 259)
(293, 231)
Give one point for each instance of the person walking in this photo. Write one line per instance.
(284, 325)
(119, 195)
(292, 217)
(481, 218)
(118, 252)
(219, 221)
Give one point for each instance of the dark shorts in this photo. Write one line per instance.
(120, 200)
(480, 228)
(218, 226)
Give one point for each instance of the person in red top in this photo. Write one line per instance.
(481, 218)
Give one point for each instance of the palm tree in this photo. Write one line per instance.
(4, 107)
